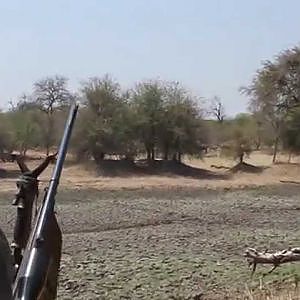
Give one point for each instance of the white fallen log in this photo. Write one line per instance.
(255, 257)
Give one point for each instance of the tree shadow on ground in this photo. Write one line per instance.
(125, 168)
(247, 168)
(9, 173)
(282, 163)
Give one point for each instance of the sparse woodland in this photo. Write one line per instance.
(157, 119)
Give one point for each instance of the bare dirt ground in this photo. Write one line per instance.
(170, 237)
(83, 177)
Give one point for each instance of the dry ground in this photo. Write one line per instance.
(172, 237)
(85, 176)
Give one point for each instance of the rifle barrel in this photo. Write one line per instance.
(35, 263)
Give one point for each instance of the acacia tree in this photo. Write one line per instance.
(168, 120)
(49, 94)
(291, 132)
(26, 129)
(6, 134)
(275, 90)
(168, 135)
(265, 99)
(182, 131)
(288, 79)
(147, 103)
(286, 84)
(106, 122)
(240, 139)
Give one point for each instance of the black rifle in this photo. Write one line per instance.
(38, 273)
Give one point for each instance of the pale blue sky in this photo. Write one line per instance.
(212, 47)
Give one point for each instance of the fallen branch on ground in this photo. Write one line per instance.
(276, 259)
(290, 181)
(219, 167)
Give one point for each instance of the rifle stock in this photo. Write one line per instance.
(38, 273)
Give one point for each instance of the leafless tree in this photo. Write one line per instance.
(51, 93)
(217, 109)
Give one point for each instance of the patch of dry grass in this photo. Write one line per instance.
(287, 293)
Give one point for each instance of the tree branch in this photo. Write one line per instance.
(276, 259)
(290, 181)
(20, 161)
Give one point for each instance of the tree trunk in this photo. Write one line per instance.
(179, 154)
(275, 149)
(290, 157)
(177, 146)
(257, 144)
(241, 157)
(152, 154)
(129, 157)
(148, 154)
(47, 147)
(166, 153)
(50, 129)
(24, 151)
(98, 156)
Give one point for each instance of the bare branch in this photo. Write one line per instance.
(276, 259)
(290, 181)
(217, 109)
(52, 92)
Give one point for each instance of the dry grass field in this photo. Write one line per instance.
(169, 236)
